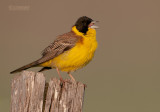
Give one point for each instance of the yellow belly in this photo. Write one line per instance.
(77, 57)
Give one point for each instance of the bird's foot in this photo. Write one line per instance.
(62, 81)
(72, 78)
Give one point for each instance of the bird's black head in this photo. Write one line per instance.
(82, 24)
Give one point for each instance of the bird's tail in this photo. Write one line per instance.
(33, 64)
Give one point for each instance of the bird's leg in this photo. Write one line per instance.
(71, 77)
(61, 79)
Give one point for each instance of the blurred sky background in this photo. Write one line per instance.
(124, 74)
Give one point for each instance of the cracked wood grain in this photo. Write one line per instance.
(64, 98)
(30, 93)
(27, 92)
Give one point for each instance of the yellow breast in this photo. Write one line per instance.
(80, 55)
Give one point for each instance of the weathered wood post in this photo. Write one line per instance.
(30, 93)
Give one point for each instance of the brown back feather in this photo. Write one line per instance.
(63, 43)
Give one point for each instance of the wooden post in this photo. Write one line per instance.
(30, 93)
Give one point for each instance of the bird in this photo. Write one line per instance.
(69, 51)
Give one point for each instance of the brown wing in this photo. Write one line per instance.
(63, 43)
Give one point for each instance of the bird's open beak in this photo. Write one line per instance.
(92, 24)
